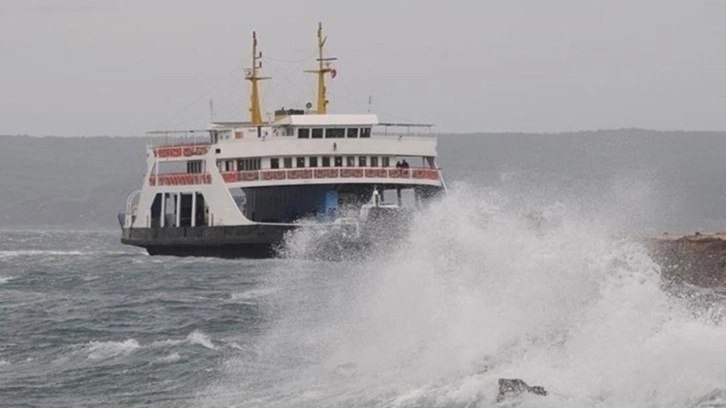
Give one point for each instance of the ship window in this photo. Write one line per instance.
(374, 161)
(229, 165)
(326, 161)
(352, 132)
(362, 161)
(287, 162)
(335, 133)
(350, 161)
(303, 133)
(365, 132)
(300, 162)
(194, 166)
(314, 161)
(275, 163)
(338, 161)
(248, 164)
(317, 133)
(385, 162)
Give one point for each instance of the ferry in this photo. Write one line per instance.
(235, 189)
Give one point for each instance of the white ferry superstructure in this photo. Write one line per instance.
(236, 188)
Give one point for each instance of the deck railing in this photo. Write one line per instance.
(177, 179)
(164, 138)
(180, 179)
(331, 172)
(181, 151)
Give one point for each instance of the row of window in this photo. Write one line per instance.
(249, 164)
(195, 166)
(331, 161)
(242, 165)
(333, 133)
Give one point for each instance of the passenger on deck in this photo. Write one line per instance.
(398, 164)
(404, 164)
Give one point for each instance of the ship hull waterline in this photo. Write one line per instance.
(242, 241)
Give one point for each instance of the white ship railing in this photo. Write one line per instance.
(420, 173)
(404, 129)
(159, 138)
(181, 179)
(127, 218)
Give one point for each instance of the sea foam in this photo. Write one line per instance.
(109, 349)
(201, 339)
(478, 292)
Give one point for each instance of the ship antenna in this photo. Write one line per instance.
(252, 76)
(323, 68)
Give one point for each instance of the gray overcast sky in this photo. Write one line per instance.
(90, 67)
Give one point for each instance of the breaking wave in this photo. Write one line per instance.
(252, 294)
(201, 339)
(7, 254)
(477, 292)
(109, 349)
(171, 358)
(38, 252)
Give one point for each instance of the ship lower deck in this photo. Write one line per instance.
(382, 228)
(240, 241)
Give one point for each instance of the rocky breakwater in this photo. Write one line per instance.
(698, 259)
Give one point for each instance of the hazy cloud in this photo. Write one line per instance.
(109, 67)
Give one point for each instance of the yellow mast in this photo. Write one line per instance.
(252, 76)
(323, 68)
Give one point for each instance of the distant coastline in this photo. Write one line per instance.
(78, 182)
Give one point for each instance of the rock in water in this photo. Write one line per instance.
(509, 387)
(698, 259)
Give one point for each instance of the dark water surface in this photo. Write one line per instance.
(86, 321)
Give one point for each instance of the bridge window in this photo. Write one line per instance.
(350, 161)
(314, 161)
(334, 133)
(317, 133)
(248, 164)
(287, 162)
(303, 133)
(275, 163)
(326, 161)
(338, 161)
(374, 161)
(362, 161)
(385, 162)
(300, 162)
(194, 166)
(365, 132)
(352, 132)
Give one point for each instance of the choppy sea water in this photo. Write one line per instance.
(472, 294)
